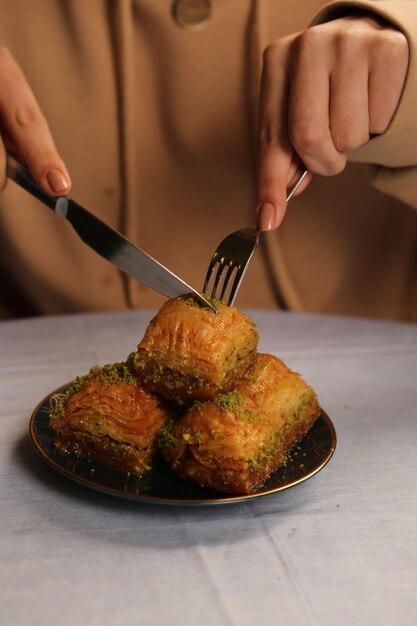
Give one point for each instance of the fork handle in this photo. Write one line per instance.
(296, 185)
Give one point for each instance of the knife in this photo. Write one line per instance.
(106, 241)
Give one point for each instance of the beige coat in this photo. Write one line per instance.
(156, 124)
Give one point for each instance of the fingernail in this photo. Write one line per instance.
(57, 181)
(266, 216)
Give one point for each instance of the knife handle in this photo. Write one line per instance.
(20, 174)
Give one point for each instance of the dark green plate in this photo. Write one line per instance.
(161, 485)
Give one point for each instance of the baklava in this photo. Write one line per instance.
(107, 416)
(191, 353)
(235, 441)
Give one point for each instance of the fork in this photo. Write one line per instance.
(232, 256)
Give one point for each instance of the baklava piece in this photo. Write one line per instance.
(107, 416)
(233, 443)
(191, 353)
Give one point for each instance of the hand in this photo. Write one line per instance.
(324, 91)
(25, 132)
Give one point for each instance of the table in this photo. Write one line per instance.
(339, 549)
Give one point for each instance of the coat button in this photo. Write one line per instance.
(191, 14)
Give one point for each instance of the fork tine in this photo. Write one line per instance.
(210, 272)
(220, 271)
(237, 280)
(227, 278)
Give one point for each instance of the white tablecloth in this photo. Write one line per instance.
(339, 549)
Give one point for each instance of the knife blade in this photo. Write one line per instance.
(106, 241)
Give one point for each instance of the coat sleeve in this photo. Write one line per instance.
(392, 155)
